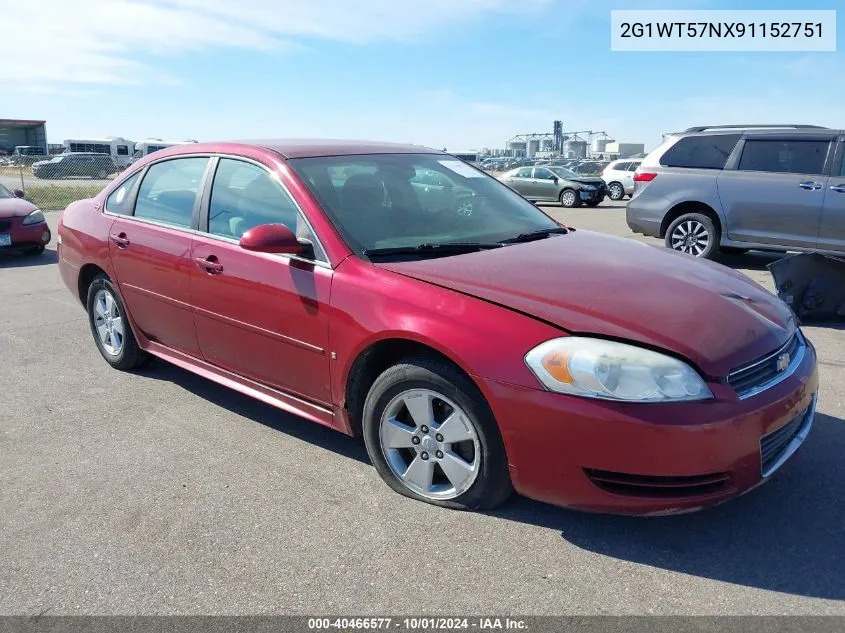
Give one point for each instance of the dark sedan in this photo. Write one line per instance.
(555, 184)
(67, 165)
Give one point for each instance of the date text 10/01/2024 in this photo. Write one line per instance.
(412, 624)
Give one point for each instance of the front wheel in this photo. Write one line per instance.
(695, 234)
(432, 437)
(110, 328)
(569, 198)
(615, 191)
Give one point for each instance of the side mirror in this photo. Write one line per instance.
(554, 179)
(271, 238)
(18, 193)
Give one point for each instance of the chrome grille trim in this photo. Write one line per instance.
(800, 348)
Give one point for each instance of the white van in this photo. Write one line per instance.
(119, 148)
(150, 145)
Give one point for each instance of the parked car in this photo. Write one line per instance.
(555, 184)
(75, 164)
(619, 178)
(588, 168)
(736, 188)
(23, 227)
(475, 352)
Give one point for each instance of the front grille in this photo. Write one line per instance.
(5, 225)
(776, 446)
(767, 371)
(659, 486)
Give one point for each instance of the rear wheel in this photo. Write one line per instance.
(615, 191)
(695, 234)
(569, 198)
(110, 328)
(432, 437)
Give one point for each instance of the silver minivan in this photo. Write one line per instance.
(736, 188)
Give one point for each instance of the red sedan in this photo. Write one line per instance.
(477, 345)
(23, 227)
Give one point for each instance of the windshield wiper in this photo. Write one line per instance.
(432, 247)
(536, 235)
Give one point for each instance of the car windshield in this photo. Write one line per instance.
(379, 201)
(5, 193)
(563, 172)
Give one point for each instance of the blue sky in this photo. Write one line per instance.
(462, 74)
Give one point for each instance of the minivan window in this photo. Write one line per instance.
(118, 200)
(701, 152)
(789, 157)
(169, 191)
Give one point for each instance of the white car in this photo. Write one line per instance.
(619, 178)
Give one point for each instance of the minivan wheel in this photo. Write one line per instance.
(615, 191)
(569, 198)
(109, 327)
(694, 234)
(432, 437)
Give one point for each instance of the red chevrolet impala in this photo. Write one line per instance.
(477, 345)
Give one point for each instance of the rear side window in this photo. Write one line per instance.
(169, 191)
(118, 200)
(789, 157)
(620, 166)
(523, 172)
(701, 152)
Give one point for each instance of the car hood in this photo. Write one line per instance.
(588, 283)
(15, 207)
(586, 180)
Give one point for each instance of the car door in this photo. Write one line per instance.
(263, 316)
(774, 192)
(544, 184)
(156, 212)
(520, 180)
(832, 229)
(628, 177)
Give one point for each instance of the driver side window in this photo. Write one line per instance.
(244, 196)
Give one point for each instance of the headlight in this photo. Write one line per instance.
(595, 368)
(36, 217)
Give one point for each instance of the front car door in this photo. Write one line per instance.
(544, 184)
(773, 188)
(156, 211)
(260, 315)
(832, 229)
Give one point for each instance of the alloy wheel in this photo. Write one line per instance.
(616, 192)
(108, 322)
(430, 444)
(690, 237)
(568, 198)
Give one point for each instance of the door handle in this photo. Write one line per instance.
(209, 264)
(838, 188)
(810, 185)
(119, 239)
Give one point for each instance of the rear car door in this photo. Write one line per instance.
(260, 315)
(544, 184)
(832, 229)
(521, 180)
(774, 192)
(628, 177)
(156, 212)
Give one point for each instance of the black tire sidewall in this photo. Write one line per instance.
(492, 484)
(130, 354)
(575, 200)
(715, 237)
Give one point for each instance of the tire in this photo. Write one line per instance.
(34, 251)
(127, 355)
(447, 391)
(569, 198)
(730, 250)
(694, 224)
(615, 191)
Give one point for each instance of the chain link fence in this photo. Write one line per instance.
(53, 182)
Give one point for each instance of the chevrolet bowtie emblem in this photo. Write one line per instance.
(783, 361)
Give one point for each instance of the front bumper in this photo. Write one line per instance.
(23, 237)
(646, 459)
(596, 195)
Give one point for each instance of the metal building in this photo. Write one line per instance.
(18, 132)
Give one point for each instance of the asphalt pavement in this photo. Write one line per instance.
(159, 492)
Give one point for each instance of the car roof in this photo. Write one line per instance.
(306, 148)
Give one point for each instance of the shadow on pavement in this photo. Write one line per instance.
(20, 260)
(752, 260)
(257, 411)
(785, 536)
